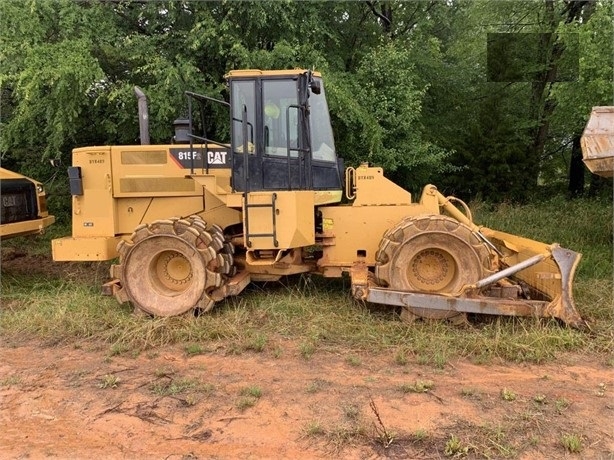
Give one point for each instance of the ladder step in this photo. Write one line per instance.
(259, 205)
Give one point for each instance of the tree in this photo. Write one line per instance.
(509, 136)
(406, 81)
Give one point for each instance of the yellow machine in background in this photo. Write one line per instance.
(598, 142)
(195, 221)
(23, 204)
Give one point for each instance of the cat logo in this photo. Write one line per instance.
(198, 158)
(216, 158)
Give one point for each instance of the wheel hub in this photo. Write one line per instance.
(431, 270)
(173, 270)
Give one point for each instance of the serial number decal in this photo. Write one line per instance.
(96, 161)
(199, 159)
(366, 177)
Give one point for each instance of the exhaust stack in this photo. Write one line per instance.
(143, 116)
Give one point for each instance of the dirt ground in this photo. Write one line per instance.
(78, 401)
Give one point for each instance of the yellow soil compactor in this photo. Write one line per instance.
(24, 206)
(195, 221)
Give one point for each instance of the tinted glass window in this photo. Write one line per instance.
(243, 97)
(280, 117)
(322, 141)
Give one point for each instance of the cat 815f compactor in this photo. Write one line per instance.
(195, 221)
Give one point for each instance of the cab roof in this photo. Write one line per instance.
(256, 73)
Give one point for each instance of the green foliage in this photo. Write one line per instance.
(406, 81)
(49, 73)
(376, 114)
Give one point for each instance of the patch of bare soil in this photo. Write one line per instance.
(78, 402)
(17, 261)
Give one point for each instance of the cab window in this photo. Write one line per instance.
(243, 96)
(281, 117)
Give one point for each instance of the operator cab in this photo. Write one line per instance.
(281, 136)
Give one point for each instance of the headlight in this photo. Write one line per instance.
(40, 189)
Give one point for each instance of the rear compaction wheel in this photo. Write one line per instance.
(431, 254)
(169, 267)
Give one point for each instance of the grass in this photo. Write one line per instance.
(249, 396)
(173, 387)
(307, 349)
(455, 447)
(109, 381)
(492, 441)
(319, 315)
(401, 356)
(572, 443)
(420, 435)
(345, 434)
(419, 386)
(10, 381)
(313, 428)
(470, 392)
(316, 385)
(251, 391)
(192, 349)
(508, 395)
(351, 411)
(561, 405)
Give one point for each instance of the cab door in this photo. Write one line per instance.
(269, 145)
(285, 153)
(281, 135)
(246, 166)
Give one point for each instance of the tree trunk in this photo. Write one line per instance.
(576, 170)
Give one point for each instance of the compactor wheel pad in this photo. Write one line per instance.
(431, 254)
(169, 267)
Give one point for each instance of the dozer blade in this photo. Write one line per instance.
(550, 280)
(546, 271)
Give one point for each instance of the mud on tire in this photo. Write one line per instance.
(432, 254)
(169, 267)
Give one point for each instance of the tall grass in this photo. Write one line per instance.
(320, 313)
(583, 225)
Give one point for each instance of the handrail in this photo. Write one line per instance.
(245, 148)
(200, 98)
(350, 183)
(298, 149)
(206, 140)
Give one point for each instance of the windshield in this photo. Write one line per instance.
(322, 141)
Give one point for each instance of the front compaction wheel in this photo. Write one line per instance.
(170, 267)
(431, 254)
